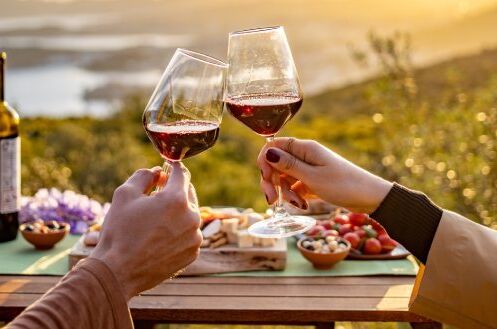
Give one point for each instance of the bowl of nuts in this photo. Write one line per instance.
(44, 235)
(325, 252)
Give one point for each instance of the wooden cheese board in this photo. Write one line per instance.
(224, 259)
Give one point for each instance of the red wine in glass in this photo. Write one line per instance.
(182, 139)
(263, 92)
(265, 114)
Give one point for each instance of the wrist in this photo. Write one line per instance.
(112, 262)
(378, 192)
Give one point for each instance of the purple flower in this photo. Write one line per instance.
(77, 210)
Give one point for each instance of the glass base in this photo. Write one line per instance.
(281, 227)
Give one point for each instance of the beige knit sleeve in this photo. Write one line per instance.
(458, 286)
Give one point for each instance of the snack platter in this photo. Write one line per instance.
(369, 240)
(227, 246)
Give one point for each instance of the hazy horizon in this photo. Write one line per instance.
(73, 57)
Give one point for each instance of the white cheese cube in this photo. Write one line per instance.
(232, 237)
(229, 225)
(245, 240)
(254, 218)
(268, 242)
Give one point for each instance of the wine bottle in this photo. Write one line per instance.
(10, 179)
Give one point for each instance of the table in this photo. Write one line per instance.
(318, 301)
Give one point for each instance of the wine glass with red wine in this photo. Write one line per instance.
(263, 92)
(183, 115)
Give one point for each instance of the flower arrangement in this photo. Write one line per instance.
(77, 210)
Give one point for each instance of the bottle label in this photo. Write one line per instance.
(10, 175)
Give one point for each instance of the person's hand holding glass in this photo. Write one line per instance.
(183, 115)
(263, 93)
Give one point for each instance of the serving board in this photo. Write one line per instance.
(225, 259)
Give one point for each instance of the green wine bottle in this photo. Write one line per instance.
(10, 179)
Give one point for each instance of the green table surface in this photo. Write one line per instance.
(19, 257)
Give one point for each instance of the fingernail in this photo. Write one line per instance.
(262, 173)
(295, 204)
(272, 156)
(267, 199)
(305, 206)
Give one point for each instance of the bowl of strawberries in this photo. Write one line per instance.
(368, 239)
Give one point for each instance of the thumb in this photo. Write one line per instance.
(178, 180)
(192, 195)
(287, 163)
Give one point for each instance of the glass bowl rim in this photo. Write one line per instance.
(202, 57)
(257, 30)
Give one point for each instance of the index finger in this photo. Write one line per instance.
(143, 180)
(293, 146)
(304, 150)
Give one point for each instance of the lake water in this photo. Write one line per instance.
(57, 90)
(69, 22)
(96, 42)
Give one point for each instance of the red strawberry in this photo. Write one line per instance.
(358, 219)
(353, 239)
(316, 230)
(344, 229)
(383, 238)
(387, 243)
(372, 247)
(361, 233)
(341, 219)
(328, 225)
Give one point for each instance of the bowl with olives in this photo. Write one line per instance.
(44, 235)
(324, 252)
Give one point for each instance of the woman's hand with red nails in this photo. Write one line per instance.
(308, 169)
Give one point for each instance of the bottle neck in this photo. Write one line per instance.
(2, 77)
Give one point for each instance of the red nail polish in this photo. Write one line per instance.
(267, 199)
(294, 203)
(272, 156)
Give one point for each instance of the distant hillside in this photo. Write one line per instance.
(466, 73)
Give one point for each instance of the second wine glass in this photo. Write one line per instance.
(263, 92)
(183, 115)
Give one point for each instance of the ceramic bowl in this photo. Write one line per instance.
(323, 261)
(44, 241)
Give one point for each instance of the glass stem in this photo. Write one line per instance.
(278, 209)
(166, 167)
